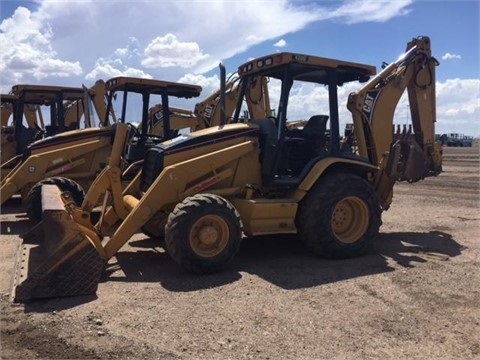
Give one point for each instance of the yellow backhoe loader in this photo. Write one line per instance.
(81, 162)
(66, 106)
(207, 189)
(24, 105)
(50, 153)
(71, 160)
(7, 106)
(33, 117)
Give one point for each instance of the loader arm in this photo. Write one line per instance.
(410, 156)
(98, 93)
(169, 188)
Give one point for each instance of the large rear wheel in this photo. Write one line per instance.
(339, 217)
(203, 233)
(34, 197)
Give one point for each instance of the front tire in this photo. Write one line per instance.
(203, 233)
(339, 217)
(34, 197)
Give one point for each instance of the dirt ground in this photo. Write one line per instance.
(416, 296)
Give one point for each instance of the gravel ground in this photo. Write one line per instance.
(415, 297)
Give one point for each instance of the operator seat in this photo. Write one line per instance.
(268, 133)
(314, 133)
(23, 138)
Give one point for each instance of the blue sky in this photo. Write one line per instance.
(78, 42)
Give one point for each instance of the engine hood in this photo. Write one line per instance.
(207, 136)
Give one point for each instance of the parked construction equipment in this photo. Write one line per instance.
(207, 189)
(71, 160)
(74, 177)
(11, 142)
(51, 155)
(25, 106)
(456, 140)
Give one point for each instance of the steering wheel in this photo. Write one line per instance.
(135, 130)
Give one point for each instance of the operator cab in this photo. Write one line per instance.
(64, 106)
(298, 136)
(150, 93)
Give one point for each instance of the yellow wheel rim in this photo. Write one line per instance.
(350, 219)
(209, 236)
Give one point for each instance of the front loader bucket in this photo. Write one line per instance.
(55, 259)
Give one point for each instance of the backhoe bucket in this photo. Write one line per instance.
(55, 259)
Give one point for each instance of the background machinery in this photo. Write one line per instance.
(71, 160)
(209, 111)
(207, 189)
(26, 106)
(81, 162)
(9, 103)
(456, 140)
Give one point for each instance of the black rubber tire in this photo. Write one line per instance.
(34, 197)
(339, 217)
(204, 216)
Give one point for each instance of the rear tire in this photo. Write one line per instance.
(34, 197)
(203, 233)
(339, 217)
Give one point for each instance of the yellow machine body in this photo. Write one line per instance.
(204, 191)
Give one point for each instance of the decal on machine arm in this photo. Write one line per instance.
(369, 104)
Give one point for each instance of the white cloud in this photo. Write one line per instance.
(131, 50)
(27, 51)
(72, 41)
(106, 68)
(448, 56)
(167, 51)
(89, 39)
(358, 11)
(458, 107)
(208, 84)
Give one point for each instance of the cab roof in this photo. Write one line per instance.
(152, 86)
(8, 98)
(309, 68)
(40, 94)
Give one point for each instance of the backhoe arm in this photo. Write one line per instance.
(98, 93)
(257, 100)
(411, 155)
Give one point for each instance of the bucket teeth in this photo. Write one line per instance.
(61, 262)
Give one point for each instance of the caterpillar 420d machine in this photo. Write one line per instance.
(208, 189)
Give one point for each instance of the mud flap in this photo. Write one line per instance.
(55, 259)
